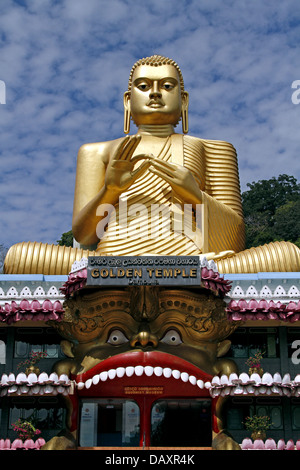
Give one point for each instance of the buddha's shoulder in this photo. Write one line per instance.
(209, 143)
(99, 149)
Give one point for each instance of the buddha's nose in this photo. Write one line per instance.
(155, 92)
(144, 338)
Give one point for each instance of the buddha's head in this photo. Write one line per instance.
(155, 94)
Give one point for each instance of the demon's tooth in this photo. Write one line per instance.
(54, 378)
(88, 383)
(11, 378)
(24, 388)
(103, 376)
(32, 379)
(167, 372)
(96, 379)
(267, 379)
(192, 379)
(149, 371)
(224, 380)
(42, 378)
(48, 388)
(158, 371)
(129, 371)
(176, 374)
(21, 378)
(4, 380)
(63, 379)
(35, 389)
(184, 376)
(139, 370)
(112, 373)
(215, 381)
(244, 378)
(200, 383)
(120, 371)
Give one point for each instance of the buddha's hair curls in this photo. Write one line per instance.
(156, 61)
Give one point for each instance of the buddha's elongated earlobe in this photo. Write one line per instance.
(184, 112)
(126, 112)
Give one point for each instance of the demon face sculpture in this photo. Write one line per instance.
(145, 340)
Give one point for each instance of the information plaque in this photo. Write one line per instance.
(143, 271)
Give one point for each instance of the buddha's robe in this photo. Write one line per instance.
(219, 219)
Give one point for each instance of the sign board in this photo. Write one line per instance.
(146, 390)
(143, 271)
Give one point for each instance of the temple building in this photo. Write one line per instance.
(147, 405)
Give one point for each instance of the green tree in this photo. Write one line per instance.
(271, 210)
(66, 239)
(287, 222)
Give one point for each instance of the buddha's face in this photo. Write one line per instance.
(155, 96)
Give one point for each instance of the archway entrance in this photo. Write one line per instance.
(119, 422)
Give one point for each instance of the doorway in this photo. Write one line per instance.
(109, 423)
(181, 423)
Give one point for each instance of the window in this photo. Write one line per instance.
(29, 340)
(47, 414)
(44, 418)
(246, 341)
(239, 409)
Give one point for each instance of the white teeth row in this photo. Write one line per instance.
(224, 385)
(33, 384)
(32, 379)
(138, 371)
(36, 390)
(256, 385)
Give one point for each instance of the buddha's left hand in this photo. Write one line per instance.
(179, 178)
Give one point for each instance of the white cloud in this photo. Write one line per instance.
(66, 65)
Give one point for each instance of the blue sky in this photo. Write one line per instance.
(65, 64)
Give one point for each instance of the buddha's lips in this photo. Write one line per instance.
(139, 363)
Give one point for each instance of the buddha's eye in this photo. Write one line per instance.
(117, 337)
(143, 86)
(168, 86)
(172, 337)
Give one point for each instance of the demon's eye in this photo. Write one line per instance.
(172, 337)
(117, 337)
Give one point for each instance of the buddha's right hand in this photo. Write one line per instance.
(120, 173)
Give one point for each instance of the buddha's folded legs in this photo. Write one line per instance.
(41, 258)
(272, 257)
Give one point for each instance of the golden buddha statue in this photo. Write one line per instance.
(156, 168)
